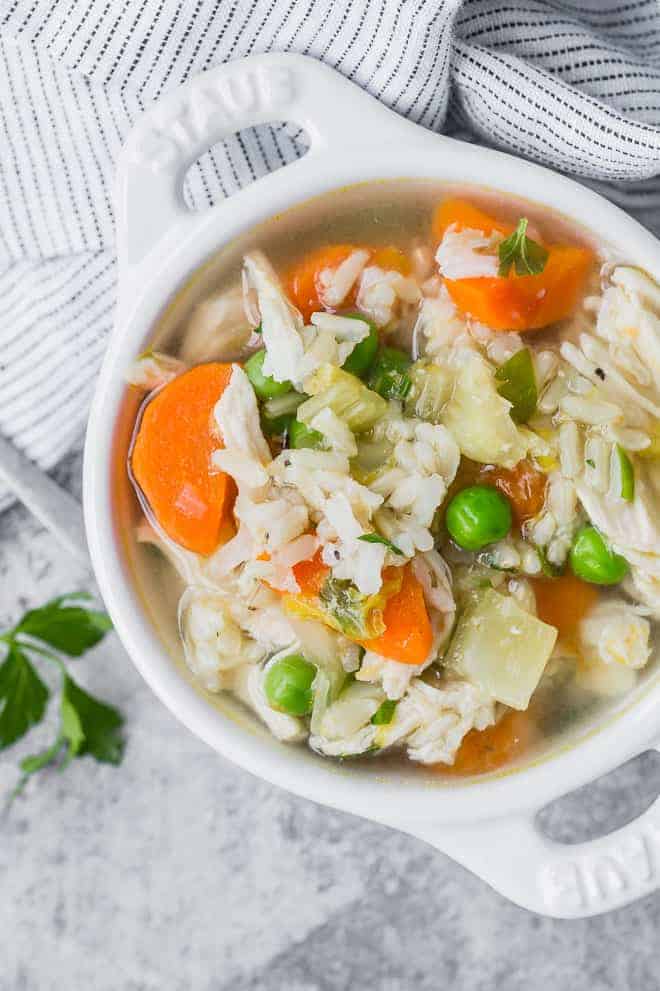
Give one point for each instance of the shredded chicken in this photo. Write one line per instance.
(336, 283)
(218, 329)
(616, 632)
(434, 721)
(394, 677)
(154, 370)
(467, 254)
(281, 322)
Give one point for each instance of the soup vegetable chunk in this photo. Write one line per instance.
(412, 491)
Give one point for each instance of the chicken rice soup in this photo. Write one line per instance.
(397, 457)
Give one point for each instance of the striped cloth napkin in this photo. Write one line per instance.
(571, 83)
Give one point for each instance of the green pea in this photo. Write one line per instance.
(303, 436)
(265, 386)
(389, 374)
(477, 516)
(288, 685)
(361, 357)
(594, 561)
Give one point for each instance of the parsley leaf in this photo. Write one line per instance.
(356, 615)
(529, 257)
(66, 624)
(517, 383)
(90, 726)
(23, 694)
(375, 538)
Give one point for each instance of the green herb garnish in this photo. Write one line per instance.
(527, 256)
(357, 616)
(65, 626)
(590, 462)
(375, 538)
(516, 382)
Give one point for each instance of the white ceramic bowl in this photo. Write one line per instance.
(488, 826)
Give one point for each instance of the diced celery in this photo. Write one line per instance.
(281, 405)
(478, 417)
(346, 396)
(501, 648)
(277, 414)
(430, 390)
(371, 456)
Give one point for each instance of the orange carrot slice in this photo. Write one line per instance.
(526, 302)
(311, 575)
(515, 302)
(463, 215)
(408, 635)
(391, 259)
(487, 750)
(171, 460)
(563, 602)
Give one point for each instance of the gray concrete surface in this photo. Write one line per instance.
(178, 871)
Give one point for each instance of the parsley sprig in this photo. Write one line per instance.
(64, 627)
(527, 256)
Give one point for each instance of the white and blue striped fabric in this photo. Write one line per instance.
(571, 83)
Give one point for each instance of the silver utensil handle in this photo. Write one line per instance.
(58, 511)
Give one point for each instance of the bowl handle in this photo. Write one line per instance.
(259, 89)
(565, 881)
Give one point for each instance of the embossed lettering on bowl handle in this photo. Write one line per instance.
(566, 881)
(334, 113)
